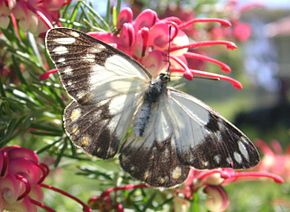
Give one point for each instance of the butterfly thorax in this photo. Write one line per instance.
(151, 96)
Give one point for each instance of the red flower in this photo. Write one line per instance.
(212, 182)
(274, 160)
(32, 15)
(147, 39)
(21, 177)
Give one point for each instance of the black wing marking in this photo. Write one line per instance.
(213, 141)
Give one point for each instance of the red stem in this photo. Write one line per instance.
(45, 170)
(41, 205)
(276, 178)
(86, 208)
(208, 75)
(41, 16)
(27, 186)
(14, 23)
(120, 188)
(224, 67)
(4, 164)
(223, 22)
(228, 44)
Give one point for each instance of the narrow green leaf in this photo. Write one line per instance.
(60, 154)
(108, 12)
(17, 70)
(34, 47)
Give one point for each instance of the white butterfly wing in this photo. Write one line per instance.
(183, 132)
(206, 139)
(105, 84)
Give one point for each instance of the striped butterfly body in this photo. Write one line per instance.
(158, 132)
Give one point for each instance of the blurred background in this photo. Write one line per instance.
(261, 30)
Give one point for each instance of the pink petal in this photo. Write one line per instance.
(47, 74)
(154, 63)
(159, 36)
(25, 168)
(127, 38)
(217, 198)
(11, 188)
(125, 16)
(16, 152)
(106, 37)
(147, 18)
(140, 46)
(242, 31)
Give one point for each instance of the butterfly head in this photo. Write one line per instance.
(164, 77)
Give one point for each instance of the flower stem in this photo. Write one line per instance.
(228, 44)
(86, 208)
(41, 205)
(224, 67)
(223, 22)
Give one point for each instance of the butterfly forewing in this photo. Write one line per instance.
(106, 86)
(91, 70)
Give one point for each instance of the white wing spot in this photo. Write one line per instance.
(97, 49)
(229, 160)
(60, 50)
(89, 58)
(238, 157)
(243, 150)
(75, 114)
(176, 173)
(161, 180)
(61, 60)
(73, 33)
(75, 130)
(64, 41)
(69, 83)
(68, 70)
(166, 153)
(85, 141)
(146, 175)
(217, 158)
(204, 163)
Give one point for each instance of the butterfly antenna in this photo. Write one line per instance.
(168, 51)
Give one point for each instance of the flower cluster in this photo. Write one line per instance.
(21, 181)
(274, 160)
(240, 31)
(32, 15)
(156, 43)
(212, 182)
(20, 176)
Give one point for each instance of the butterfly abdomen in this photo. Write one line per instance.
(151, 96)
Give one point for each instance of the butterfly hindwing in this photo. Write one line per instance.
(205, 139)
(153, 157)
(183, 132)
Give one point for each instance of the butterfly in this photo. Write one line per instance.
(118, 108)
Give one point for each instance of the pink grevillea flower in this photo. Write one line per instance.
(21, 181)
(32, 15)
(105, 202)
(240, 31)
(274, 160)
(212, 182)
(153, 41)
